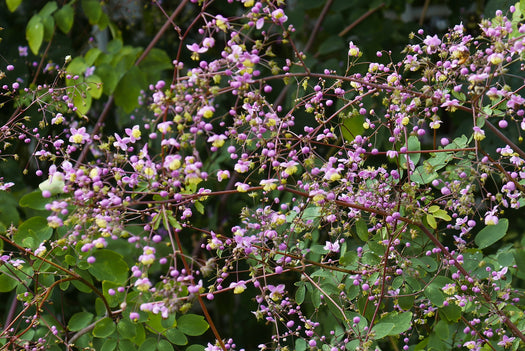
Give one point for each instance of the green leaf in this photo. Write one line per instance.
(35, 33)
(406, 302)
(424, 174)
(149, 344)
(361, 229)
(113, 300)
(80, 285)
(92, 9)
(8, 212)
(155, 323)
(81, 99)
(199, 207)
(348, 258)
(353, 345)
(352, 126)
(300, 344)
(33, 232)
(11, 277)
(435, 295)
(7, 283)
(491, 233)
(451, 313)
(94, 86)
(382, 329)
(318, 249)
(176, 337)
(195, 347)
(400, 321)
(426, 262)
(103, 21)
(126, 328)
(169, 322)
(109, 265)
(431, 220)
(441, 329)
(128, 89)
(442, 214)
(164, 345)
(48, 9)
(192, 324)
(109, 345)
(109, 78)
(333, 43)
(76, 66)
(12, 5)
(79, 320)
(413, 145)
(65, 17)
(34, 200)
(519, 256)
(126, 345)
(156, 61)
(300, 294)
(91, 56)
(104, 328)
(49, 27)
(54, 184)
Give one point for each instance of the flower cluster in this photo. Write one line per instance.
(358, 201)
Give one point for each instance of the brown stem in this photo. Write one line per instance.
(359, 20)
(161, 31)
(44, 55)
(317, 26)
(65, 270)
(107, 107)
(424, 12)
(199, 297)
(308, 46)
(438, 244)
(505, 139)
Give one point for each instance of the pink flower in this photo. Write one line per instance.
(432, 43)
(279, 17)
(196, 48)
(79, 136)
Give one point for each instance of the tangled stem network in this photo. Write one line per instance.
(352, 216)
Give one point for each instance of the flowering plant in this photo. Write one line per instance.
(371, 210)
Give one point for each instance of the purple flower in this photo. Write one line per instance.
(79, 136)
(506, 341)
(332, 247)
(432, 43)
(22, 51)
(196, 48)
(276, 292)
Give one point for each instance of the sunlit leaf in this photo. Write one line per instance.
(352, 126)
(94, 86)
(35, 33)
(92, 9)
(65, 17)
(491, 233)
(48, 9)
(12, 5)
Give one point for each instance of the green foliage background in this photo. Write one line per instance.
(124, 29)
